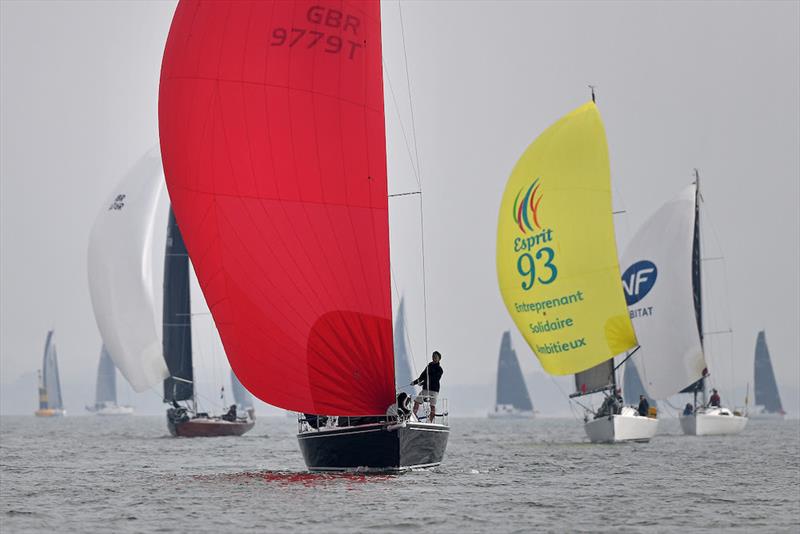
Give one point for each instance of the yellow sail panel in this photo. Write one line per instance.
(556, 251)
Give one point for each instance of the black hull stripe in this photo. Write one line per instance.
(375, 469)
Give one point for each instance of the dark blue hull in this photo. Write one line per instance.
(377, 447)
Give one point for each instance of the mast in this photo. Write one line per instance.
(697, 277)
(177, 318)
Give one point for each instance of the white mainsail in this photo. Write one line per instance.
(659, 291)
(121, 277)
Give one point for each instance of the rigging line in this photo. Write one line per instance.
(402, 127)
(408, 85)
(729, 331)
(417, 171)
(569, 401)
(627, 358)
(424, 277)
(727, 305)
(405, 194)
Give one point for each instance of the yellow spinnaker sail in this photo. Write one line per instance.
(556, 252)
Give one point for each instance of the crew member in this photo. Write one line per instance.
(231, 415)
(429, 380)
(644, 406)
(714, 400)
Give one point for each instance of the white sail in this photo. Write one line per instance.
(658, 283)
(121, 277)
(51, 380)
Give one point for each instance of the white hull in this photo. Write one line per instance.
(627, 426)
(511, 415)
(115, 410)
(712, 422)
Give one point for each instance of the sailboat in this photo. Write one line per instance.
(512, 398)
(768, 399)
(50, 402)
(121, 287)
(105, 397)
(662, 282)
(629, 424)
(272, 131)
(557, 265)
(186, 420)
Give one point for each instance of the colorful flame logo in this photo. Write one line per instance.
(526, 212)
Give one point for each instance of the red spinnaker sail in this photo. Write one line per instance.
(272, 136)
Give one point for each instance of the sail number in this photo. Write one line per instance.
(332, 44)
(526, 266)
(118, 203)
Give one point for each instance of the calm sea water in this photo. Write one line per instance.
(93, 474)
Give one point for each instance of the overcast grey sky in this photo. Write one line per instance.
(711, 85)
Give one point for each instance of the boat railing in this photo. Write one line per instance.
(442, 412)
(310, 423)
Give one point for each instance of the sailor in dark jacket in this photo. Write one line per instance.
(429, 380)
(644, 406)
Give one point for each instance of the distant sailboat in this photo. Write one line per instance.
(185, 420)
(50, 402)
(121, 287)
(512, 398)
(662, 282)
(768, 399)
(558, 269)
(105, 399)
(275, 160)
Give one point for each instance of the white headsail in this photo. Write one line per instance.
(121, 277)
(659, 291)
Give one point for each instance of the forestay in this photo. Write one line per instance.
(659, 292)
(556, 250)
(121, 277)
(272, 131)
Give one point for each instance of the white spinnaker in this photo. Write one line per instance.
(121, 274)
(671, 354)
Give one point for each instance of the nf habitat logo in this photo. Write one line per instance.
(526, 211)
(637, 281)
